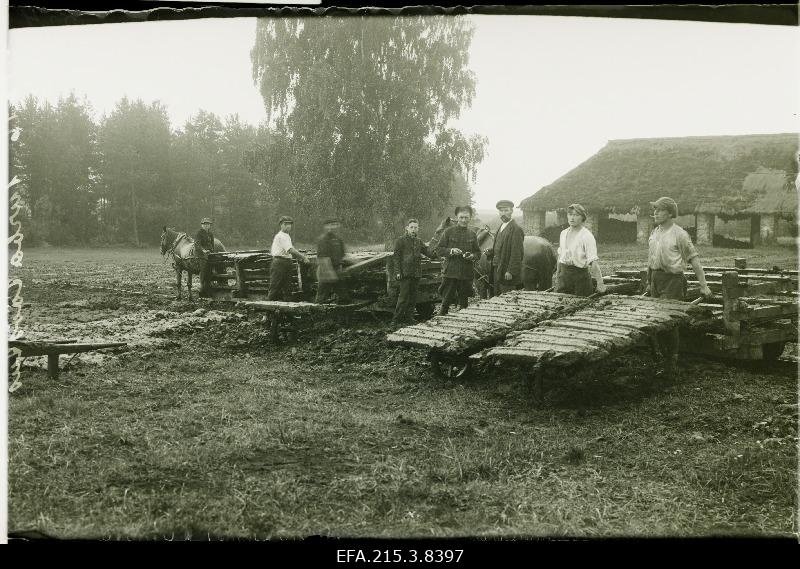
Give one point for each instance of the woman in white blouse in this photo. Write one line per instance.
(577, 257)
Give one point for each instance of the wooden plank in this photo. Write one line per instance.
(761, 312)
(752, 270)
(554, 334)
(600, 328)
(769, 301)
(371, 262)
(459, 327)
(719, 271)
(415, 342)
(593, 326)
(33, 348)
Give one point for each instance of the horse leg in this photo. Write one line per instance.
(189, 283)
(178, 277)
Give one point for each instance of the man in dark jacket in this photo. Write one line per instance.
(203, 245)
(459, 249)
(330, 252)
(408, 251)
(507, 252)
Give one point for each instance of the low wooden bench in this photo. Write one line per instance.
(53, 348)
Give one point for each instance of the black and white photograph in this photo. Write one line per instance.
(444, 276)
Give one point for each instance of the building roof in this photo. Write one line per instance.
(727, 175)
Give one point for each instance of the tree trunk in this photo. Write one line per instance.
(133, 212)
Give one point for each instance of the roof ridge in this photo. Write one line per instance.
(706, 137)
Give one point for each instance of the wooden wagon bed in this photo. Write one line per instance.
(612, 325)
(487, 322)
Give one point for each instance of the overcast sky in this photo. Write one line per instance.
(551, 90)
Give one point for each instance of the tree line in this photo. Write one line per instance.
(358, 111)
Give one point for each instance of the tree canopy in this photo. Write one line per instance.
(364, 104)
(121, 178)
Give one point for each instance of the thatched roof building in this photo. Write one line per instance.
(729, 176)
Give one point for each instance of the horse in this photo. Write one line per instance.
(437, 235)
(181, 248)
(538, 263)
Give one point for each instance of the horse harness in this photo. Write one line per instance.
(171, 252)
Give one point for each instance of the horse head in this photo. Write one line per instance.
(483, 234)
(168, 236)
(437, 235)
(446, 222)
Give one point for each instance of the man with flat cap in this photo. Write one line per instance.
(282, 251)
(670, 250)
(577, 257)
(330, 252)
(507, 252)
(459, 250)
(203, 245)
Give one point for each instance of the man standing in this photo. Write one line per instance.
(204, 244)
(577, 257)
(670, 249)
(459, 249)
(330, 252)
(282, 252)
(408, 251)
(507, 252)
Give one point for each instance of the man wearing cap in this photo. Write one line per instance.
(507, 251)
(204, 244)
(330, 252)
(408, 251)
(459, 249)
(577, 257)
(670, 249)
(282, 251)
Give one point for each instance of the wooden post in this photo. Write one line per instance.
(241, 283)
(52, 366)
(644, 227)
(643, 282)
(768, 229)
(755, 230)
(299, 275)
(592, 222)
(731, 291)
(533, 221)
(705, 228)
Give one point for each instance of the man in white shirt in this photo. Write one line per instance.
(577, 257)
(670, 249)
(282, 251)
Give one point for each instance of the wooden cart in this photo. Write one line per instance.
(243, 277)
(755, 311)
(52, 349)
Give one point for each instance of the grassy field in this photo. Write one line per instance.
(214, 431)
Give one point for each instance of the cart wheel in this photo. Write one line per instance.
(772, 351)
(449, 367)
(425, 311)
